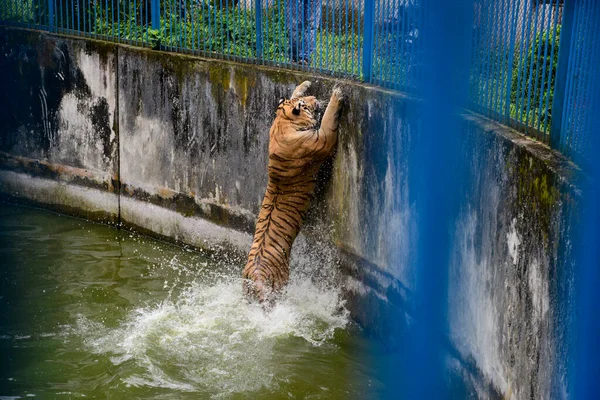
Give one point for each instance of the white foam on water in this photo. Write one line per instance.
(208, 338)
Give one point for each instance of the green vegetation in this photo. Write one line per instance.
(23, 11)
(533, 81)
(229, 31)
(528, 73)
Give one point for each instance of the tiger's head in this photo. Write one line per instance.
(301, 111)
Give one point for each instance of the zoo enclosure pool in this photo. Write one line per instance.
(91, 311)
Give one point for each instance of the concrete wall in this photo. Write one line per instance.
(176, 147)
(58, 125)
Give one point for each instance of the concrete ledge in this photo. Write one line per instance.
(565, 169)
(92, 204)
(200, 233)
(189, 205)
(92, 179)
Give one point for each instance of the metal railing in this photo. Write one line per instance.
(529, 58)
(578, 80)
(515, 52)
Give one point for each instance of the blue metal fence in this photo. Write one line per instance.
(514, 62)
(529, 61)
(573, 128)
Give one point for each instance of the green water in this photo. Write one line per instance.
(90, 311)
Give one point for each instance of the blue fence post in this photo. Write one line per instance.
(560, 86)
(155, 14)
(259, 38)
(51, 14)
(369, 26)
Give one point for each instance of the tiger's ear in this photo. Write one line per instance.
(281, 100)
(296, 110)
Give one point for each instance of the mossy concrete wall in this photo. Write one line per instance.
(176, 147)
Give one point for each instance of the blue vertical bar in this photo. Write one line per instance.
(329, 36)
(222, 47)
(177, 29)
(347, 47)
(180, 26)
(394, 34)
(581, 91)
(352, 38)
(185, 25)
(382, 37)
(266, 31)
(67, 26)
(523, 48)
(106, 17)
(128, 20)
(584, 335)
(51, 14)
(532, 63)
(259, 37)
(486, 57)
(507, 57)
(511, 55)
(155, 14)
(496, 70)
(89, 18)
(146, 23)
(404, 60)
(378, 54)
(280, 31)
(491, 62)
(532, 59)
(550, 77)
(566, 31)
(541, 88)
(565, 130)
(119, 21)
(422, 370)
(323, 38)
(369, 25)
(571, 80)
(206, 34)
(227, 51)
(340, 40)
(196, 28)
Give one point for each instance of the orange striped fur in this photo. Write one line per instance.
(297, 148)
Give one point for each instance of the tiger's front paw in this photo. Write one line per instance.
(305, 85)
(301, 89)
(337, 95)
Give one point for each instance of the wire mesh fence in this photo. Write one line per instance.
(572, 136)
(529, 58)
(514, 60)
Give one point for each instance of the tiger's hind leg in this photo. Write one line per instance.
(264, 292)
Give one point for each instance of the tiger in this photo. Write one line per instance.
(297, 148)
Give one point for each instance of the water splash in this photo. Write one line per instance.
(207, 338)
